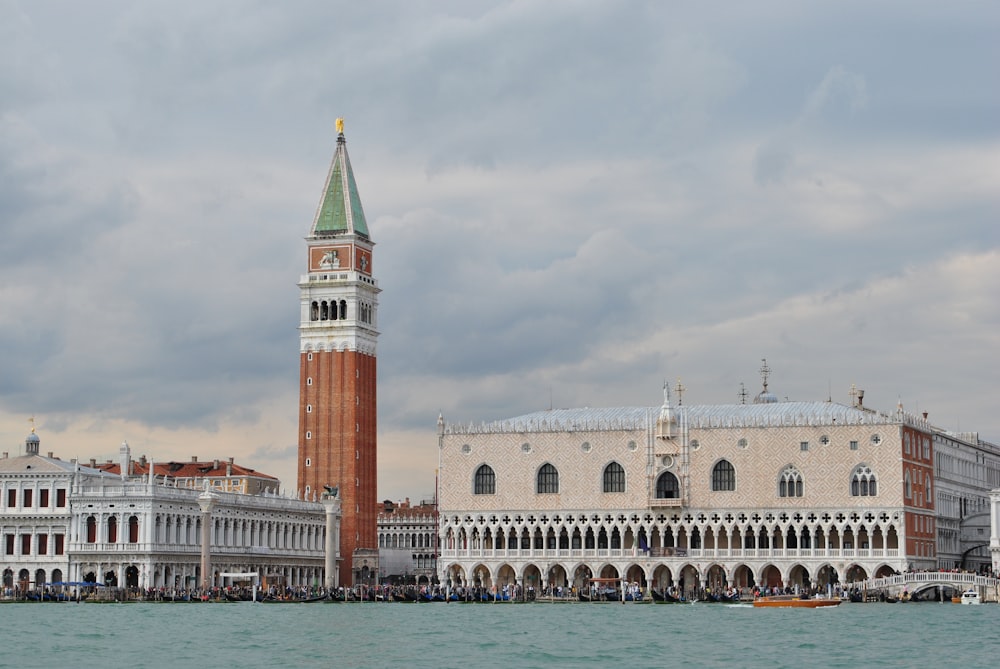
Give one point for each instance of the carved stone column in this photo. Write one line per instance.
(207, 501)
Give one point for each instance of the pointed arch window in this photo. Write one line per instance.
(723, 476)
(614, 478)
(667, 486)
(790, 482)
(485, 482)
(547, 480)
(863, 482)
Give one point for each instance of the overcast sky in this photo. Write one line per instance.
(572, 203)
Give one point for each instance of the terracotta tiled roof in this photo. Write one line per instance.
(187, 469)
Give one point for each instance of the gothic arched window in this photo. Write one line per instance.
(486, 481)
(667, 486)
(790, 482)
(547, 480)
(723, 476)
(863, 482)
(614, 478)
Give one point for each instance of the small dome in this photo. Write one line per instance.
(766, 397)
(31, 443)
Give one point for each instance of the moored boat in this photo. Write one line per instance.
(971, 596)
(794, 601)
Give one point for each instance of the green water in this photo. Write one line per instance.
(496, 635)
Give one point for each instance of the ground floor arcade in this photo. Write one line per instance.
(181, 573)
(678, 575)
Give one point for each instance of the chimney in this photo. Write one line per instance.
(49, 455)
(861, 398)
(142, 460)
(229, 467)
(93, 462)
(925, 415)
(5, 455)
(194, 458)
(215, 463)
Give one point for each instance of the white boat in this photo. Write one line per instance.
(971, 596)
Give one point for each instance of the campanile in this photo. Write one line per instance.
(337, 335)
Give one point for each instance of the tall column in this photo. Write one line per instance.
(206, 500)
(332, 505)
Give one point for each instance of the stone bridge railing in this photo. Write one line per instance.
(917, 579)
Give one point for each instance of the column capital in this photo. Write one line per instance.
(207, 500)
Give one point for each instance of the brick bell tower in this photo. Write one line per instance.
(337, 334)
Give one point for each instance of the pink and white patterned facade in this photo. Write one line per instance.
(775, 493)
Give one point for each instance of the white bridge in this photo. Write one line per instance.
(917, 581)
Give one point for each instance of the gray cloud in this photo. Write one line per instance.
(572, 203)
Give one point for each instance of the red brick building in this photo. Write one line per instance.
(337, 392)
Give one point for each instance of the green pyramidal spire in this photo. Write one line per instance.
(340, 209)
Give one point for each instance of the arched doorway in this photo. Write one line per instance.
(856, 573)
(455, 576)
(884, 571)
(798, 577)
(609, 571)
(608, 584)
(506, 578)
(582, 576)
(532, 580)
(770, 576)
(481, 577)
(634, 574)
(716, 577)
(827, 577)
(689, 581)
(111, 579)
(743, 577)
(557, 577)
(132, 576)
(662, 578)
